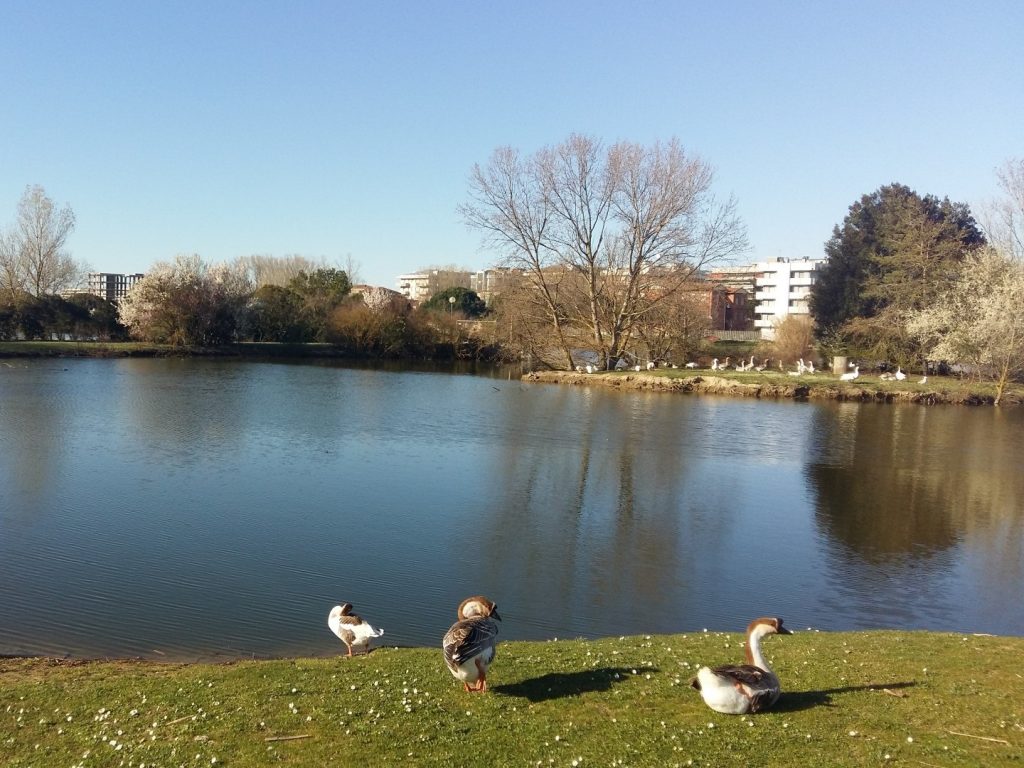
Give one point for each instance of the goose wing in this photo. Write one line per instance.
(747, 674)
(468, 638)
(761, 687)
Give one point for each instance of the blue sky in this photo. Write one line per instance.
(338, 129)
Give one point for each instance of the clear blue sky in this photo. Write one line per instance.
(337, 129)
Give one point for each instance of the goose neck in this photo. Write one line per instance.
(754, 655)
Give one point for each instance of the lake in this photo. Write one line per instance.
(206, 509)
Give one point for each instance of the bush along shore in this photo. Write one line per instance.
(824, 386)
(467, 349)
(849, 699)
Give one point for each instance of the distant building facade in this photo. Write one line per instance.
(783, 288)
(488, 283)
(420, 286)
(746, 299)
(111, 285)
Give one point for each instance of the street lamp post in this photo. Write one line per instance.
(451, 305)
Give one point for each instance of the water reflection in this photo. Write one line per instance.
(204, 507)
(907, 496)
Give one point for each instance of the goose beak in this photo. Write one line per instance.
(784, 631)
(494, 614)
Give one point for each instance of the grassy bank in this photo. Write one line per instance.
(851, 699)
(769, 384)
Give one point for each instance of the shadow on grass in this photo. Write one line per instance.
(557, 685)
(794, 701)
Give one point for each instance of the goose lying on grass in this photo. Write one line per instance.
(745, 688)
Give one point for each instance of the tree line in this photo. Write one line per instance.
(607, 248)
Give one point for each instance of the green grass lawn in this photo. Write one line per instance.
(850, 699)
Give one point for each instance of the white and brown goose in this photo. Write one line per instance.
(745, 688)
(469, 645)
(351, 629)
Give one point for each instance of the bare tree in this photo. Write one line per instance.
(353, 269)
(10, 279)
(793, 339)
(604, 235)
(675, 328)
(264, 269)
(508, 205)
(32, 256)
(1005, 224)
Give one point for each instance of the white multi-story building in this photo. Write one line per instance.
(422, 285)
(111, 285)
(782, 288)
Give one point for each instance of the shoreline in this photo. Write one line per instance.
(773, 386)
(70, 660)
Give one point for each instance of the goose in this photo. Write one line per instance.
(899, 375)
(745, 688)
(470, 642)
(923, 380)
(763, 365)
(810, 366)
(590, 368)
(651, 365)
(714, 364)
(691, 365)
(351, 629)
(636, 368)
(851, 375)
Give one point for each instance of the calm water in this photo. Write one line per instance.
(202, 509)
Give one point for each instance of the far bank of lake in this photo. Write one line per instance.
(770, 385)
(765, 385)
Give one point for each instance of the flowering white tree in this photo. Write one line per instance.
(978, 320)
(187, 303)
(378, 299)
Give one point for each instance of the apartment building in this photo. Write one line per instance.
(782, 288)
(420, 286)
(111, 285)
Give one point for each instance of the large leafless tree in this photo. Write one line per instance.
(33, 258)
(1005, 220)
(602, 235)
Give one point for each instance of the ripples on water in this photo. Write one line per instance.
(191, 508)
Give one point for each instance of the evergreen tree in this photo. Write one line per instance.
(894, 253)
